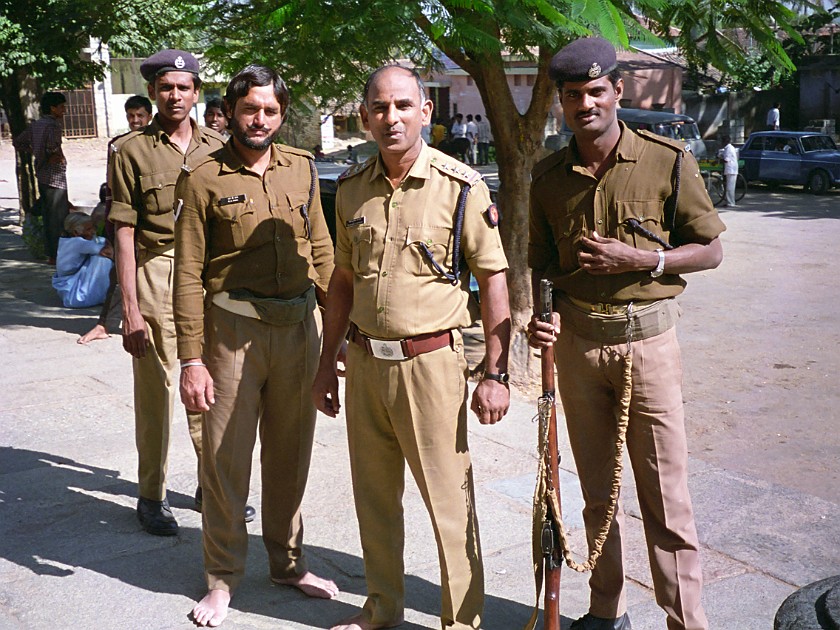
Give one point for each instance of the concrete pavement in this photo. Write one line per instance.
(72, 554)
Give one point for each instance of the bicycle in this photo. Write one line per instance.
(716, 185)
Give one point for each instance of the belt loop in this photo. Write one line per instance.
(408, 348)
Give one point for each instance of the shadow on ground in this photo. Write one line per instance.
(60, 515)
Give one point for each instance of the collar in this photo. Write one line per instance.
(159, 135)
(421, 169)
(231, 162)
(628, 150)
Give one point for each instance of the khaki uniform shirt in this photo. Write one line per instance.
(396, 290)
(142, 175)
(568, 202)
(239, 230)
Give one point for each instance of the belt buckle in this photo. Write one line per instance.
(388, 350)
(602, 308)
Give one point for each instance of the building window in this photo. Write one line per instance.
(469, 80)
(517, 80)
(530, 79)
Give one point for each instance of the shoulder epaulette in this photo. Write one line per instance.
(357, 168)
(674, 145)
(117, 141)
(285, 148)
(212, 133)
(452, 167)
(547, 163)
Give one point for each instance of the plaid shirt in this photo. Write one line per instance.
(46, 142)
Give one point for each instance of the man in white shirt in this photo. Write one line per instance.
(729, 155)
(472, 136)
(773, 117)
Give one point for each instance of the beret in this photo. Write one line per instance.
(583, 60)
(168, 61)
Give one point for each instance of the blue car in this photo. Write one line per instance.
(792, 157)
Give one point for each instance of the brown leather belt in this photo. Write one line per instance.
(603, 308)
(400, 349)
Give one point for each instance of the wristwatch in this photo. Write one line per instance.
(660, 266)
(501, 377)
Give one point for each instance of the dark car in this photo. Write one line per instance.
(792, 157)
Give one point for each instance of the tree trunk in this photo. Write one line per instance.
(16, 100)
(518, 141)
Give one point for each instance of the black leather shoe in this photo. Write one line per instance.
(250, 512)
(591, 622)
(156, 517)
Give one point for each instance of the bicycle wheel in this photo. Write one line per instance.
(717, 188)
(740, 187)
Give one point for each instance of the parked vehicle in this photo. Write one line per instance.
(792, 157)
(675, 126)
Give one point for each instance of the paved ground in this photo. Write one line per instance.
(759, 338)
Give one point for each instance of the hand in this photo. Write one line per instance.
(325, 391)
(107, 251)
(602, 256)
(135, 337)
(542, 334)
(490, 401)
(197, 388)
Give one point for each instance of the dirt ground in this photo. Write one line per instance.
(759, 334)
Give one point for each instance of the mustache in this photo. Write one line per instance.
(258, 128)
(589, 112)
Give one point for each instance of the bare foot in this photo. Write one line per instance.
(311, 585)
(97, 332)
(212, 610)
(360, 622)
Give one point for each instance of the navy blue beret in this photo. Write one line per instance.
(583, 60)
(168, 61)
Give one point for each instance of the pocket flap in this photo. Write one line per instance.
(158, 181)
(428, 235)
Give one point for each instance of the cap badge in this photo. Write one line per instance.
(180, 63)
(594, 71)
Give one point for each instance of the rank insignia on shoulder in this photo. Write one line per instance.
(226, 201)
(492, 214)
(356, 221)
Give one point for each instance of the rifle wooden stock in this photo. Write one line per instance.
(551, 612)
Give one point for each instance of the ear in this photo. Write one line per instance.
(150, 88)
(363, 112)
(619, 89)
(427, 109)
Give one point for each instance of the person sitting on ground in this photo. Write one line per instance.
(83, 263)
(352, 155)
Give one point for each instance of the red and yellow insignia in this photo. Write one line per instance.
(493, 215)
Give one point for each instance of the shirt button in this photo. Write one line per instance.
(384, 273)
(598, 188)
(380, 309)
(600, 221)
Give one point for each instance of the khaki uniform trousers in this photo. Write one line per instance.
(154, 387)
(262, 377)
(414, 411)
(590, 384)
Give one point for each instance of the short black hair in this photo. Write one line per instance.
(614, 76)
(214, 102)
(255, 76)
(50, 100)
(137, 101)
(411, 71)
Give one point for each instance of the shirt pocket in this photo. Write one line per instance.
(158, 191)
(570, 229)
(361, 240)
(236, 222)
(648, 214)
(426, 244)
(299, 214)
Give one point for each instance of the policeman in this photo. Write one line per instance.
(399, 285)
(251, 234)
(142, 177)
(615, 218)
